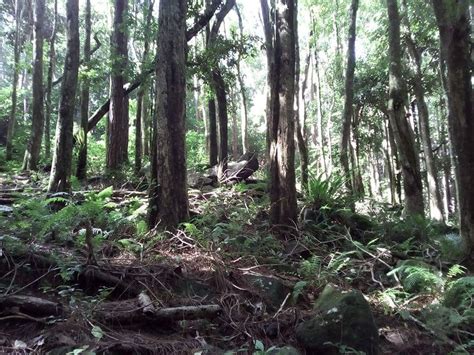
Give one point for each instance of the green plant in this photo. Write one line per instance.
(323, 191)
(417, 276)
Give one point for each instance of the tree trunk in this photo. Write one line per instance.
(81, 172)
(32, 154)
(268, 25)
(404, 138)
(61, 166)
(436, 204)
(220, 91)
(348, 98)
(213, 150)
(171, 202)
(283, 209)
(300, 136)
(49, 85)
(244, 114)
(453, 22)
(117, 132)
(16, 71)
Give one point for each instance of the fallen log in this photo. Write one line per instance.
(92, 278)
(133, 313)
(239, 170)
(30, 305)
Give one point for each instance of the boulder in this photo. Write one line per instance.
(271, 288)
(285, 350)
(343, 319)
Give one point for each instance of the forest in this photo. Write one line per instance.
(236, 177)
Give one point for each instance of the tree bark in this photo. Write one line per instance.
(454, 28)
(81, 172)
(117, 130)
(404, 138)
(61, 166)
(49, 85)
(436, 203)
(348, 98)
(16, 71)
(283, 209)
(213, 150)
(32, 154)
(171, 202)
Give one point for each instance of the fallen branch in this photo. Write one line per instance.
(30, 305)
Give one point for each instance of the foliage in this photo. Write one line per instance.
(323, 191)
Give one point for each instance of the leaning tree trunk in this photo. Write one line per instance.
(32, 154)
(453, 22)
(348, 98)
(61, 167)
(283, 209)
(117, 132)
(404, 138)
(16, 71)
(436, 203)
(81, 172)
(171, 200)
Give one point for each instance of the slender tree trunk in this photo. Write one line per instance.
(49, 85)
(32, 154)
(213, 150)
(269, 50)
(171, 201)
(117, 144)
(16, 71)
(283, 209)
(436, 205)
(81, 172)
(300, 136)
(404, 138)
(454, 28)
(61, 167)
(221, 92)
(348, 98)
(243, 95)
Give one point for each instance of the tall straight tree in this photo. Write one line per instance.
(16, 71)
(283, 209)
(117, 130)
(170, 198)
(349, 96)
(454, 29)
(404, 136)
(32, 154)
(61, 168)
(49, 84)
(81, 172)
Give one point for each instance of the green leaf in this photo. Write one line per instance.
(106, 193)
(97, 332)
(259, 345)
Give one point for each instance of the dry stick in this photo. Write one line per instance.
(282, 305)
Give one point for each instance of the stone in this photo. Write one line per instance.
(285, 350)
(272, 289)
(342, 319)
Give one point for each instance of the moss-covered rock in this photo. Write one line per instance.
(342, 319)
(285, 350)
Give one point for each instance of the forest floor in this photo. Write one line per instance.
(81, 274)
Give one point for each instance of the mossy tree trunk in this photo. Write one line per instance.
(61, 167)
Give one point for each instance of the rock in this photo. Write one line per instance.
(272, 289)
(286, 350)
(5, 210)
(342, 319)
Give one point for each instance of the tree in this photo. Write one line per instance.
(169, 199)
(349, 97)
(219, 86)
(32, 153)
(283, 209)
(404, 136)
(16, 70)
(49, 84)
(454, 28)
(81, 172)
(117, 130)
(61, 166)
